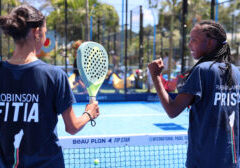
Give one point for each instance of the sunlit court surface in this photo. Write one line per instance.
(133, 130)
(127, 135)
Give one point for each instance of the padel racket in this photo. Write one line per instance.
(92, 63)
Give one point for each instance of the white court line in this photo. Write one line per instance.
(132, 115)
(128, 115)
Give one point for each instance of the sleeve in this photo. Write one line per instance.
(64, 95)
(193, 85)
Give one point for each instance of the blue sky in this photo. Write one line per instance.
(149, 15)
(117, 4)
(132, 5)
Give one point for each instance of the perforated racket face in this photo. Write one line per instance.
(92, 60)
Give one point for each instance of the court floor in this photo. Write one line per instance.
(129, 118)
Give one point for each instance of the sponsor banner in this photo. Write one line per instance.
(123, 140)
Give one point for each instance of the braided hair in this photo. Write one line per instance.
(221, 53)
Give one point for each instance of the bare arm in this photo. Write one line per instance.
(172, 107)
(73, 124)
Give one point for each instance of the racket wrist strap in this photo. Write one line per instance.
(93, 122)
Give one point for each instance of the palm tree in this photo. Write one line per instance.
(172, 7)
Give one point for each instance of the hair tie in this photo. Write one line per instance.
(225, 42)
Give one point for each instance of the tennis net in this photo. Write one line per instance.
(125, 151)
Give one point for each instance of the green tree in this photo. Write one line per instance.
(170, 13)
(108, 17)
(7, 42)
(77, 18)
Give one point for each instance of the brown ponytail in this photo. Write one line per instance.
(19, 22)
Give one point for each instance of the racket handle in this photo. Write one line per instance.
(92, 99)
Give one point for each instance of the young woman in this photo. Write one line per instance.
(32, 95)
(212, 89)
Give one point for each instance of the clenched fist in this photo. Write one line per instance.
(156, 67)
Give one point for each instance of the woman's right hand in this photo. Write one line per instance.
(73, 124)
(93, 109)
(156, 67)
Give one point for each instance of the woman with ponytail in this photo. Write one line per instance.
(32, 95)
(212, 89)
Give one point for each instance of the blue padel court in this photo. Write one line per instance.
(127, 135)
(129, 118)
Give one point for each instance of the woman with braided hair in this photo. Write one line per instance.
(212, 89)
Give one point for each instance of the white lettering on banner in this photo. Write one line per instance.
(24, 105)
(226, 99)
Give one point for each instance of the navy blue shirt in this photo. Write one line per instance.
(31, 98)
(213, 133)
